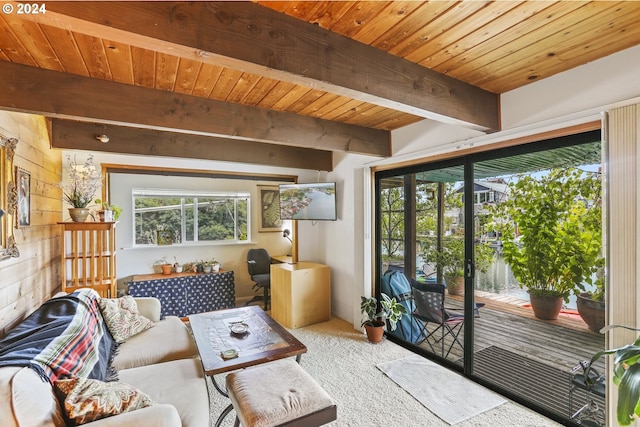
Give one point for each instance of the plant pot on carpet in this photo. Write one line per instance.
(376, 315)
(551, 232)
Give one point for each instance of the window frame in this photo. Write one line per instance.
(183, 194)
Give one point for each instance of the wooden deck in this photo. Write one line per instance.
(509, 325)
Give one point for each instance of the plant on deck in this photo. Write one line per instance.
(551, 231)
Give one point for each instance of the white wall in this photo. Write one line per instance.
(132, 260)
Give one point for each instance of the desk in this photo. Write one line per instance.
(182, 294)
(300, 293)
(265, 341)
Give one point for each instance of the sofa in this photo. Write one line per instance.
(160, 364)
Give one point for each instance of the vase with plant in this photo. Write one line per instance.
(551, 232)
(107, 211)
(165, 266)
(376, 315)
(83, 180)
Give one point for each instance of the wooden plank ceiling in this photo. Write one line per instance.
(287, 83)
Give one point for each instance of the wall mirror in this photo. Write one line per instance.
(8, 198)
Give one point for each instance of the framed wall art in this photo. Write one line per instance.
(23, 181)
(269, 215)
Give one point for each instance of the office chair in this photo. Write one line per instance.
(259, 263)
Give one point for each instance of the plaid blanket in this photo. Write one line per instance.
(65, 337)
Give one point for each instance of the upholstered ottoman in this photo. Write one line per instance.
(279, 393)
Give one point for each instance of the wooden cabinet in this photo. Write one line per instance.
(89, 257)
(300, 293)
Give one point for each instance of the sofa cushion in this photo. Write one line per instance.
(180, 383)
(168, 340)
(85, 400)
(122, 317)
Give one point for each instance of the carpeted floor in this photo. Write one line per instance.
(344, 363)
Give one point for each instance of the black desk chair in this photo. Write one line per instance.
(259, 263)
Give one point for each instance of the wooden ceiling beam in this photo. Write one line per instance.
(62, 95)
(75, 135)
(252, 38)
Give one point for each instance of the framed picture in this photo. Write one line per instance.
(165, 237)
(23, 182)
(269, 215)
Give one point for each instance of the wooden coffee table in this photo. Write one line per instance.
(265, 340)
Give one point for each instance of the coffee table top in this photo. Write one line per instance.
(265, 339)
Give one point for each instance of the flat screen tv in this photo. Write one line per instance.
(315, 201)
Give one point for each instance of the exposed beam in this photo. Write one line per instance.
(255, 39)
(61, 95)
(82, 136)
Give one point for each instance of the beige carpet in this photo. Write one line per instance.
(344, 363)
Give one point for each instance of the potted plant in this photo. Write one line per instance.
(626, 376)
(108, 212)
(207, 265)
(376, 315)
(591, 305)
(83, 182)
(451, 260)
(165, 266)
(551, 232)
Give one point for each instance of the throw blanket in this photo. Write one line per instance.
(66, 337)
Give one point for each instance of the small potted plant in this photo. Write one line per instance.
(376, 315)
(165, 266)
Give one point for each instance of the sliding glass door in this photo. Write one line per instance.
(480, 239)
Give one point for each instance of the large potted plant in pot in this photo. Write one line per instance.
(376, 315)
(551, 232)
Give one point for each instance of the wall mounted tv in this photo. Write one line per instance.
(315, 201)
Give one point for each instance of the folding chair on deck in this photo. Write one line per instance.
(429, 302)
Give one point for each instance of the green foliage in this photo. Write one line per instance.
(626, 376)
(451, 257)
(216, 218)
(551, 230)
(390, 310)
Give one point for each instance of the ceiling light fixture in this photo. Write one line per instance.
(102, 138)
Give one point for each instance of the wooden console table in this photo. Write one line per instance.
(182, 294)
(300, 293)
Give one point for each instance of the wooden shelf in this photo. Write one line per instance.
(89, 257)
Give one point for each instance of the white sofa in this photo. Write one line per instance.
(161, 361)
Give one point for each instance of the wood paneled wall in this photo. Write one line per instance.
(26, 282)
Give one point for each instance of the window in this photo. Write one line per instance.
(189, 217)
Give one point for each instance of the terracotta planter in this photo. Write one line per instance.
(455, 285)
(166, 268)
(374, 333)
(591, 311)
(545, 307)
(78, 214)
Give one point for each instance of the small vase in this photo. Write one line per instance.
(78, 214)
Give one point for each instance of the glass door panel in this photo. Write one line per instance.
(535, 215)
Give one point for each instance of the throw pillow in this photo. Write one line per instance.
(85, 400)
(122, 317)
